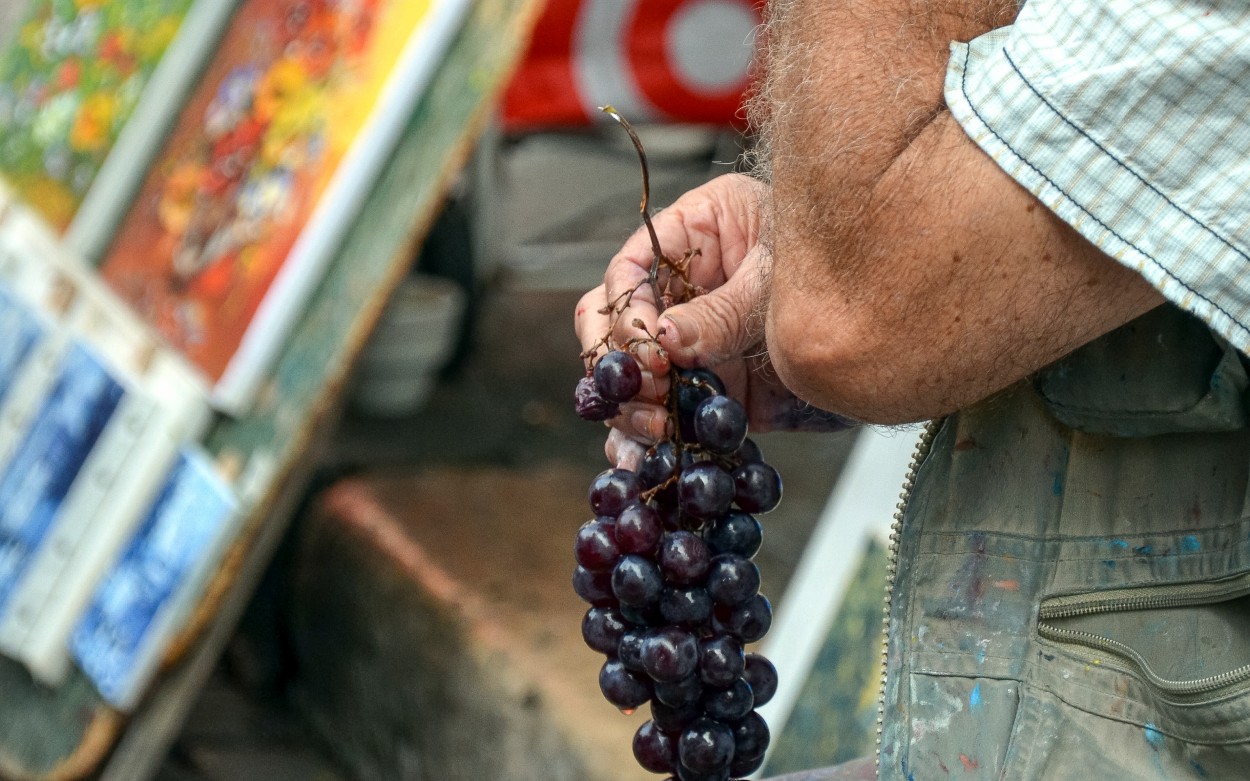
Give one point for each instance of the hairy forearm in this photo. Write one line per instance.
(911, 276)
(966, 284)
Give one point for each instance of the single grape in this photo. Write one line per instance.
(684, 558)
(750, 737)
(638, 529)
(618, 377)
(602, 628)
(706, 746)
(596, 548)
(622, 687)
(748, 622)
(674, 719)
(704, 490)
(680, 694)
(721, 660)
(685, 606)
(738, 533)
(613, 490)
(654, 749)
(729, 704)
(636, 580)
(589, 405)
(670, 654)
(693, 387)
(720, 424)
(732, 579)
(594, 587)
(762, 675)
(757, 487)
(629, 650)
(749, 451)
(658, 464)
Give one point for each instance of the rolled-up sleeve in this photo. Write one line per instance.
(1130, 119)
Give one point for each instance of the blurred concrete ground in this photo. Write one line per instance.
(561, 205)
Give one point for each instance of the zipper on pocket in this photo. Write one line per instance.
(891, 570)
(1144, 598)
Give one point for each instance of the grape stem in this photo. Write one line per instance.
(657, 254)
(679, 269)
(616, 308)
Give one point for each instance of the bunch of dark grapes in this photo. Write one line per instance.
(666, 565)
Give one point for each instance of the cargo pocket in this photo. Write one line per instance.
(1187, 641)
(1154, 682)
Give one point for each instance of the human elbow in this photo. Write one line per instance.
(816, 350)
(837, 355)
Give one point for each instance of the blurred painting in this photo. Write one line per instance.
(71, 76)
(264, 169)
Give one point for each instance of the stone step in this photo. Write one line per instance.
(437, 634)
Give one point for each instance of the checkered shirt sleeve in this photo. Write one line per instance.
(1130, 119)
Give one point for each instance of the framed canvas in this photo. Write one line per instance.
(265, 170)
(87, 91)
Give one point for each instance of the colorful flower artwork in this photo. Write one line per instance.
(292, 86)
(68, 83)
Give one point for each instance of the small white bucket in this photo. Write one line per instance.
(414, 338)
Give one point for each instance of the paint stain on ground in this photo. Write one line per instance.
(968, 762)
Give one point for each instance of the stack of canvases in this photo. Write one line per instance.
(176, 176)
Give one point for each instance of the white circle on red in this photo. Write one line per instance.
(709, 45)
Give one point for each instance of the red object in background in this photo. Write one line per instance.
(654, 60)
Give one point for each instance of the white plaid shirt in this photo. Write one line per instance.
(1130, 119)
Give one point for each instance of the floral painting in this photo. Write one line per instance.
(291, 86)
(68, 83)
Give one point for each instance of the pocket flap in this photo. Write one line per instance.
(1163, 373)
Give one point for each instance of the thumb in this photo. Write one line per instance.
(719, 325)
